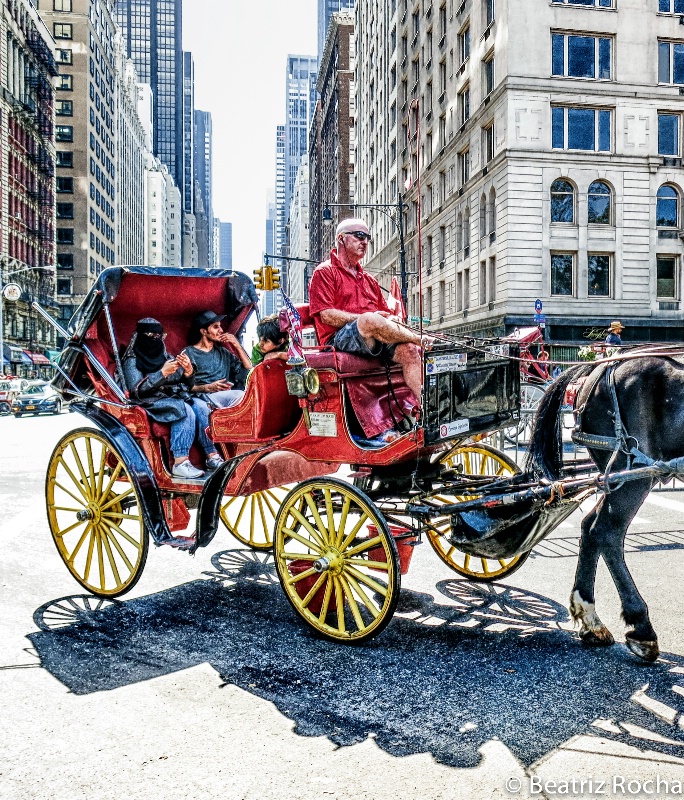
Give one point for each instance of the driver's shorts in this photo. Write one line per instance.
(349, 340)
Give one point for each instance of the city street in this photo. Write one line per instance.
(202, 682)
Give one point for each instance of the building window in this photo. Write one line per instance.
(459, 292)
(65, 83)
(65, 210)
(466, 233)
(668, 133)
(459, 233)
(464, 45)
(492, 279)
(580, 129)
(466, 288)
(65, 185)
(671, 6)
(61, 5)
(65, 260)
(667, 207)
(666, 277)
(562, 274)
(671, 62)
(63, 285)
(64, 56)
(598, 275)
(483, 283)
(63, 30)
(64, 133)
(581, 56)
(65, 158)
(599, 3)
(489, 11)
(492, 213)
(488, 143)
(65, 235)
(562, 201)
(483, 216)
(488, 75)
(599, 204)
(464, 166)
(64, 108)
(464, 105)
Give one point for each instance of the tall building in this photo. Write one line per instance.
(300, 104)
(85, 135)
(163, 216)
(226, 245)
(326, 9)
(131, 153)
(331, 145)
(152, 31)
(550, 172)
(187, 186)
(27, 172)
(203, 180)
(299, 235)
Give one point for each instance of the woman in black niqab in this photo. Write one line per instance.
(150, 353)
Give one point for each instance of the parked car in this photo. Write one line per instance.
(8, 391)
(38, 397)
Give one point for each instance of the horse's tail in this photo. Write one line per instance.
(545, 456)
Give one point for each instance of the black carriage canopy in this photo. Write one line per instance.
(172, 295)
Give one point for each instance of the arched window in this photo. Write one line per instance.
(459, 232)
(492, 211)
(483, 216)
(667, 207)
(562, 201)
(466, 231)
(599, 203)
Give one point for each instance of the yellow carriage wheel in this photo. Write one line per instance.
(336, 560)
(473, 459)
(94, 514)
(250, 519)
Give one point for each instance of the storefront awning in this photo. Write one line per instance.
(53, 355)
(35, 358)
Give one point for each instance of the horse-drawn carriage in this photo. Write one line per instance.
(340, 544)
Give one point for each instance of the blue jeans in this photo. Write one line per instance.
(184, 431)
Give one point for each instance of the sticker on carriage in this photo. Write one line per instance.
(495, 351)
(322, 424)
(454, 428)
(446, 363)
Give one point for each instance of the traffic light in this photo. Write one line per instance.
(259, 277)
(274, 278)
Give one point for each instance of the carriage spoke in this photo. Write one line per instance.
(364, 597)
(370, 582)
(297, 514)
(313, 590)
(79, 544)
(353, 605)
(101, 471)
(339, 600)
(62, 533)
(360, 562)
(367, 544)
(117, 499)
(343, 522)
(110, 536)
(261, 512)
(89, 557)
(79, 465)
(301, 556)
(123, 533)
(332, 535)
(91, 465)
(302, 540)
(110, 555)
(71, 494)
(326, 599)
(100, 557)
(314, 511)
(300, 576)
(75, 480)
(113, 478)
(352, 534)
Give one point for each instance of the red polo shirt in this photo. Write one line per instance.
(334, 286)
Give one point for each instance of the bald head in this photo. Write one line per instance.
(351, 225)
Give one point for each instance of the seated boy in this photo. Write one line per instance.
(273, 343)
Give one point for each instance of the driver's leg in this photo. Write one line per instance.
(409, 357)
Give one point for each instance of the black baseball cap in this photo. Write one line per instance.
(206, 318)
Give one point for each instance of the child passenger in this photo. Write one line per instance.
(273, 343)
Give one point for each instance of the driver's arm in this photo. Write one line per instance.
(337, 318)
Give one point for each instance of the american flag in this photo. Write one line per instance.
(294, 352)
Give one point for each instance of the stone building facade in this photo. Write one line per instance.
(163, 216)
(550, 171)
(27, 181)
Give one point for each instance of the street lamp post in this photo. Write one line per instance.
(2, 290)
(397, 218)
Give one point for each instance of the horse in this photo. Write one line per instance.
(641, 413)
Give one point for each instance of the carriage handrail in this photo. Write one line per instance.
(87, 397)
(43, 313)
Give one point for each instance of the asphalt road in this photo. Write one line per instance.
(202, 683)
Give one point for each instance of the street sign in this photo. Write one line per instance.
(426, 320)
(12, 292)
(538, 306)
(540, 319)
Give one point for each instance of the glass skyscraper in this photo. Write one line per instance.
(302, 72)
(326, 8)
(152, 31)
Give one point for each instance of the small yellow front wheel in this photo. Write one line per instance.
(94, 514)
(251, 518)
(473, 459)
(336, 560)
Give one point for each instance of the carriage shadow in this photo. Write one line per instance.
(444, 677)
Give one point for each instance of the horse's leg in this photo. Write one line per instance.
(623, 505)
(582, 602)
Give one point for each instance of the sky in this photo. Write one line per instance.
(240, 52)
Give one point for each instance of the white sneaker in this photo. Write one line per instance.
(186, 470)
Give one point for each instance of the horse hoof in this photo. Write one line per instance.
(647, 651)
(600, 637)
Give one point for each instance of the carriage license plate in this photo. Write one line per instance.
(446, 363)
(322, 424)
(454, 428)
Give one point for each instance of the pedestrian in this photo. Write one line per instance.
(614, 338)
(350, 311)
(273, 343)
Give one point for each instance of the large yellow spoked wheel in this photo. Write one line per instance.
(473, 459)
(250, 519)
(336, 560)
(94, 514)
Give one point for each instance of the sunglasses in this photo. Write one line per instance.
(155, 335)
(362, 236)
